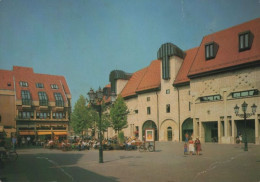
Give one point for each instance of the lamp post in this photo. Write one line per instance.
(245, 115)
(93, 97)
(96, 101)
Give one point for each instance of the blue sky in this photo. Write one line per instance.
(85, 40)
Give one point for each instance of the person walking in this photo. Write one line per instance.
(14, 142)
(197, 146)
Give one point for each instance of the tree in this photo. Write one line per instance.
(80, 117)
(118, 114)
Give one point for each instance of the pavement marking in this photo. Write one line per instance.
(216, 164)
(57, 166)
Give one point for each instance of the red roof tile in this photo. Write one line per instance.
(27, 75)
(151, 78)
(132, 84)
(228, 54)
(185, 67)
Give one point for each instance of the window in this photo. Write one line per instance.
(25, 115)
(210, 98)
(23, 84)
(148, 99)
(58, 115)
(43, 100)
(9, 84)
(39, 85)
(211, 50)
(148, 110)
(42, 115)
(136, 111)
(59, 99)
(244, 93)
(168, 108)
(168, 91)
(54, 86)
(26, 98)
(245, 40)
(189, 106)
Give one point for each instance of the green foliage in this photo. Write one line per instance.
(118, 114)
(80, 117)
(121, 137)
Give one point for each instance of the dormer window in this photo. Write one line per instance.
(39, 85)
(245, 40)
(23, 84)
(54, 86)
(211, 50)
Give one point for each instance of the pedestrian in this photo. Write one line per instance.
(191, 146)
(186, 137)
(14, 142)
(23, 141)
(28, 140)
(197, 146)
(185, 148)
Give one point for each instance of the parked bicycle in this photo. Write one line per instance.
(8, 155)
(149, 147)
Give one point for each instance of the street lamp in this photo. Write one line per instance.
(93, 97)
(245, 115)
(96, 101)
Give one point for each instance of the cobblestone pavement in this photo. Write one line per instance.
(217, 163)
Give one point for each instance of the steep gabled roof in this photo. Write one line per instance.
(228, 54)
(151, 78)
(26, 74)
(143, 80)
(182, 76)
(133, 83)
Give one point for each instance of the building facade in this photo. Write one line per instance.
(195, 91)
(32, 104)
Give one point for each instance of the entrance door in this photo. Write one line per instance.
(211, 131)
(169, 133)
(250, 129)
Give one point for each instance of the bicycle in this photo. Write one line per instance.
(8, 155)
(143, 147)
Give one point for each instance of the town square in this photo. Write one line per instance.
(129, 90)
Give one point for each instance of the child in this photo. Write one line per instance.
(185, 148)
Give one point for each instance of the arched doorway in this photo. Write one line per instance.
(169, 133)
(148, 125)
(187, 127)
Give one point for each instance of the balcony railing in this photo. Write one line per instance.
(27, 102)
(43, 102)
(59, 103)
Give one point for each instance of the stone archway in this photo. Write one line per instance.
(148, 125)
(168, 127)
(187, 128)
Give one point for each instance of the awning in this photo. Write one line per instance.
(60, 133)
(44, 132)
(26, 133)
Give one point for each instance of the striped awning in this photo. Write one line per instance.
(26, 133)
(60, 133)
(44, 132)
